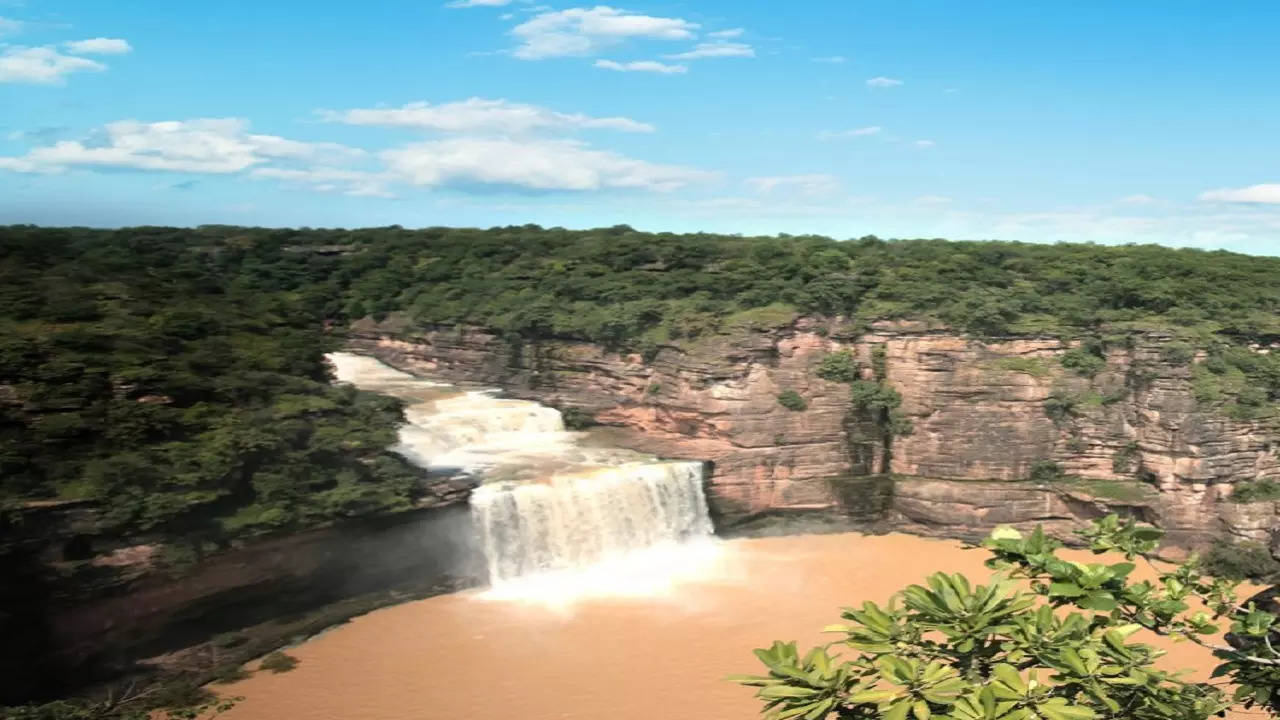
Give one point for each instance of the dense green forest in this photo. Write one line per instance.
(619, 285)
(178, 373)
(180, 380)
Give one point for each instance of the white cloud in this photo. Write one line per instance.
(932, 200)
(830, 59)
(924, 143)
(1250, 231)
(1139, 199)
(358, 183)
(714, 50)
(9, 26)
(480, 115)
(1265, 194)
(809, 185)
(536, 165)
(17, 164)
(583, 31)
(488, 151)
(41, 65)
(642, 66)
(99, 46)
(478, 3)
(724, 34)
(883, 82)
(852, 132)
(218, 146)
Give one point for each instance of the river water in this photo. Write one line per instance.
(658, 657)
(611, 600)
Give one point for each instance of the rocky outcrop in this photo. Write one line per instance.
(984, 415)
(71, 613)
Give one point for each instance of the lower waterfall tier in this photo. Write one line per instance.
(575, 521)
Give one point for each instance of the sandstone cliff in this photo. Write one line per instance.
(1131, 437)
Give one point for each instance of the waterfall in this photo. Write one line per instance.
(573, 522)
(556, 518)
(450, 429)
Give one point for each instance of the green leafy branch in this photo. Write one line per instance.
(1047, 638)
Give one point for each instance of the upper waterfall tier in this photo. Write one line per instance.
(475, 430)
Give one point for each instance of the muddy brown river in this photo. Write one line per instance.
(654, 656)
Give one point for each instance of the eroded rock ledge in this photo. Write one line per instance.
(72, 614)
(1134, 436)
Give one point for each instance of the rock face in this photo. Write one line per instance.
(984, 415)
(66, 622)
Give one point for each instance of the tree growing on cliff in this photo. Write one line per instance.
(838, 367)
(791, 400)
(1047, 639)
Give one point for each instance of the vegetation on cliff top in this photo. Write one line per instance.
(179, 372)
(619, 285)
(181, 381)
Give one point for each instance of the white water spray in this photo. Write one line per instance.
(558, 520)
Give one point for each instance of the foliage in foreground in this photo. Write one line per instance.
(1047, 639)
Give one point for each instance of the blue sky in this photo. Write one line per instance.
(1089, 121)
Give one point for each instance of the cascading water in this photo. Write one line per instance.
(557, 519)
(575, 521)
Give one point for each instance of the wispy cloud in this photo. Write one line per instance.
(725, 34)
(357, 183)
(924, 143)
(9, 26)
(480, 115)
(932, 200)
(831, 59)
(99, 46)
(42, 65)
(43, 134)
(883, 82)
(583, 31)
(482, 146)
(652, 66)
(718, 49)
(210, 145)
(1265, 194)
(1139, 199)
(807, 185)
(850, 133)
(537, 165)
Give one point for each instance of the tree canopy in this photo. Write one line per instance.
(183, 385)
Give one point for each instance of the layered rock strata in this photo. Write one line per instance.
(985, 414)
